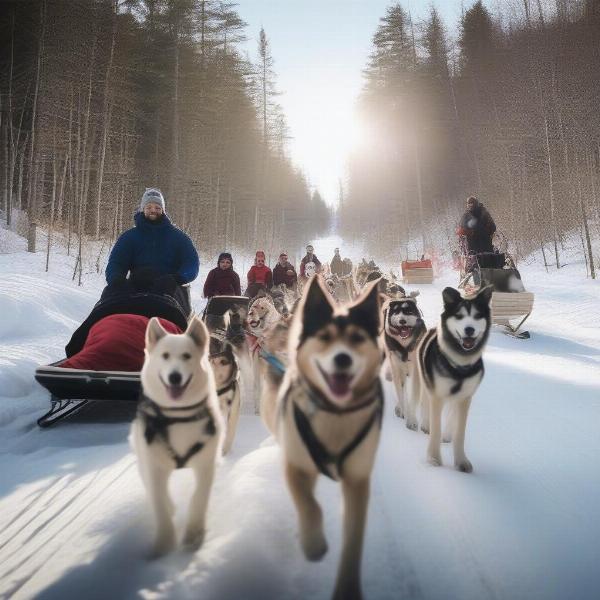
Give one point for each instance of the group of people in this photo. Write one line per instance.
(224, 281)
(160, 257)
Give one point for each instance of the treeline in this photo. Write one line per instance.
(509, 114)
(101, 98)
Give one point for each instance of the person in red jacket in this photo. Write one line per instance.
(222, 280)
(259, 275)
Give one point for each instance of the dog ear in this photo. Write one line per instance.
(154, 332)
(365, 312)
(485, 295)
(197, 331)
(451, 297)
(317, 309)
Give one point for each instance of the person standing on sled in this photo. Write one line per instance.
(222, 280)
(310, 257)
(259, 276)
(284, 272)
(157, 255)
(477, 227)
(336, 265)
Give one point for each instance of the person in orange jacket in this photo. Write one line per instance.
(259, 275)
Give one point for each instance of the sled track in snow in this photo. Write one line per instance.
(49, 521)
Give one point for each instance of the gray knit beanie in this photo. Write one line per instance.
(152, 195)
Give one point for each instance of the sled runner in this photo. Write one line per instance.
(75, 384)
(417, 271)
(511, 303)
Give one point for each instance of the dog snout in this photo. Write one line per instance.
(342, 360)
(175, 378)
(402, 321)
(469, 331)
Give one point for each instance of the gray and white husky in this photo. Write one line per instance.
(329, 418)
(403, 329)
(450, 369)
(178, 424)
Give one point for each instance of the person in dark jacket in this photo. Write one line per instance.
(336, 265)
(154, 244)
(478, 227)
(310, 257)
(284, 272)
(222, 280)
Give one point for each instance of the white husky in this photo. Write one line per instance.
(178, 424)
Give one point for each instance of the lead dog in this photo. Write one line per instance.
(178, 424)
(329, 418)
(403, 328)
(450, 369)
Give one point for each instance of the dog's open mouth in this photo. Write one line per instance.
(468, 343)
(176, 391)
(404, 331)
(254, 323)
(338, 382)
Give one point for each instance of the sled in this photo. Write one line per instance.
(417, 271)
(72, 389)
(217, 306)
(511, 304)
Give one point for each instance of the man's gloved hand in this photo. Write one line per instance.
(165, 284)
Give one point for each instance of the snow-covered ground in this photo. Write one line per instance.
(74, 522)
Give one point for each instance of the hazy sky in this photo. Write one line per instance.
(320, 48)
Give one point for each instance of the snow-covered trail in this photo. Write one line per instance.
(74, 521)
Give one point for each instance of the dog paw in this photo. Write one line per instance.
(193, 537)
(314, 546)
(447, 439)
(162, 545)
(412, 425)
(399, 412)
(464, 466)
(434, 460)
(425, 429)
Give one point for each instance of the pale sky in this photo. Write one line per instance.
(320, 48)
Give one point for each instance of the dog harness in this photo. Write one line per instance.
(324, 459)
(157, 423)
(434, 358)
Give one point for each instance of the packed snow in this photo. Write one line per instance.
(75, 523)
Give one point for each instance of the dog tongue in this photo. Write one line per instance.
(175, 391)
(339, 384)
(404, 331)
(468, 343)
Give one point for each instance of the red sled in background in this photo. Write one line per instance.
(417, 271)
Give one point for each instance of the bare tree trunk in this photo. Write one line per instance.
(107, 110)
(31, 200)
(584, 221)
(53, 200)
(551, 181)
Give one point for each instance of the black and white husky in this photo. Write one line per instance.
(227, 378)
(450, 369)
(329, 418)
(402, 331)
(178, 424)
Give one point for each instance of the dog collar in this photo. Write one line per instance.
(231, 385)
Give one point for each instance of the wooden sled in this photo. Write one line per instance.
(509, 308)
(417, 271)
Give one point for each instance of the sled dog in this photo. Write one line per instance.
(178, 424)
(329, 418)
(403, 329)
(450, 369)
(262, 316)
(227, 378)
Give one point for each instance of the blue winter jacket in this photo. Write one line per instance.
(161, 246)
